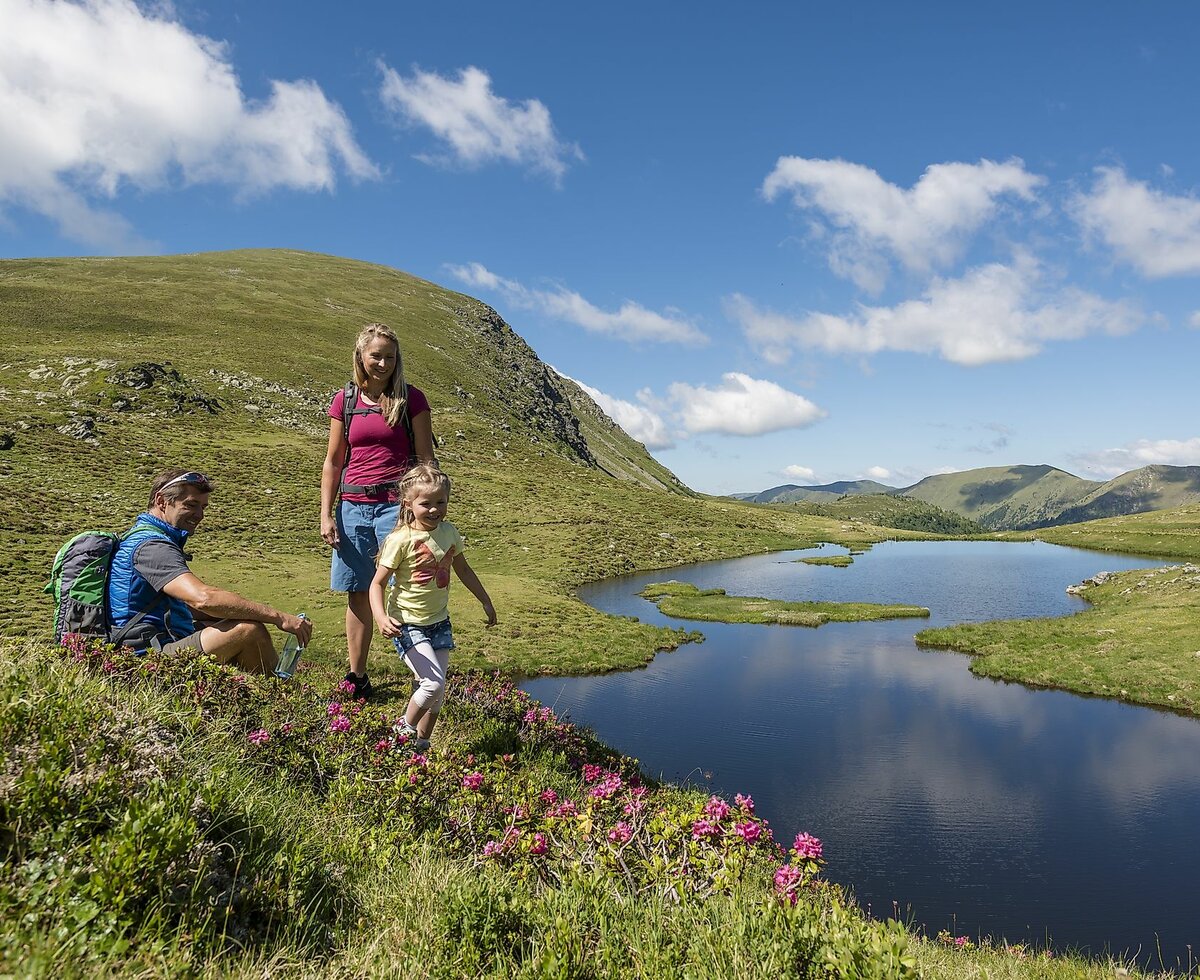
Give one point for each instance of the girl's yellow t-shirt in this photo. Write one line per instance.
(419, 592)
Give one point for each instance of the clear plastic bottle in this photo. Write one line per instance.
(290, 655)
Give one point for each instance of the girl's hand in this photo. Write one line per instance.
(490, 611)
(389, 627)
(329, 532)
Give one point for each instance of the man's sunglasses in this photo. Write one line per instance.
(196, 479)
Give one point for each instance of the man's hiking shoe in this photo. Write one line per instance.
(361, 682)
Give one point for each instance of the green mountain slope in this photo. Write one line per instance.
(116, 368)
(823, 493)
(888, 510)
(1004, 496)
(1150, 488)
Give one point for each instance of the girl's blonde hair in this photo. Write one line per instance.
(395, 392)
(422, 475)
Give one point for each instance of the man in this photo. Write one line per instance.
(153, 592)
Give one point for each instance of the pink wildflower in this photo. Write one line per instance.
(748, 830)
(607, 788)
(472, 781)
(335, 708)
(530, 716)
(807, 846)
(418, 761)
(346, 687)
(549, 797)
(382, 745)
(620, 833)
(340, 724)
(705, 828)
(566, 808)
(633, 807)
(745, 802)
(491, 849)
(260, 737)
(788, 879)
(716, 808)
(538, 847)
(961, 942)
(592, 772)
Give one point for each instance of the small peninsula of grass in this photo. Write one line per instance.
(836, 561)
(684, 601)
(1139, 642)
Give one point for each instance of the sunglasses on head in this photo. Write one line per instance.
(193, 478)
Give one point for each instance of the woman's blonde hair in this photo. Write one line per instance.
(422, 475)
(395, 392)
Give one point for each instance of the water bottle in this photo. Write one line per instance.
(292, 648)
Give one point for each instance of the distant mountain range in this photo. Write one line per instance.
(1020, 497)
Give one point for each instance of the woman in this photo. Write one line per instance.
(389, 430)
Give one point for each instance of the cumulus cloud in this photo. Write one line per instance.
(631, 321)
(99, 94)
(477, 125)
(869, 220)
(800, 473)
(1143, 452)
(742, 406)
(1156, 233)
(643, 423)
(878, 473)
(992, 313)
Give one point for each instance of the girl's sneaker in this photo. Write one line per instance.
(402, 727)
(419, 744)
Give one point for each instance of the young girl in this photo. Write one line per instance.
(415, 615)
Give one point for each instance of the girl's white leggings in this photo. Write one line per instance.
(429, 666)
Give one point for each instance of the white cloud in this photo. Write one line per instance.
(478, 125)
(631, 322)
(641, 422)
(878, 473)
(800, 473)
(870, 219)
(100, 94)
(1194, 320)
(1143, 452)
(742, 406)
(993, 313)
(1156, 233)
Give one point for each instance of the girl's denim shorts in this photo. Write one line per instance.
(437, 635)
(362, 528)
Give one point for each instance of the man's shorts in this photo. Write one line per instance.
(437, 635)
(361, 529)
(189, 644)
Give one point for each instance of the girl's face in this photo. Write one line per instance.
(379, 359)
(428, 506)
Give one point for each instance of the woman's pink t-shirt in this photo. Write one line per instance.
(379, 452)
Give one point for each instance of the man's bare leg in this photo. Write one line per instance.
(244, 644)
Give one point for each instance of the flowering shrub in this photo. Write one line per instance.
(534, 800)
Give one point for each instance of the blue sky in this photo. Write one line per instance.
(780, 242)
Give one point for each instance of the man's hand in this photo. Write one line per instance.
(389, 627)
(490, 611)
(300, 628)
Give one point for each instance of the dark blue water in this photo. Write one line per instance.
(983, 807)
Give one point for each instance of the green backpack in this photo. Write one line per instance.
(79, 586)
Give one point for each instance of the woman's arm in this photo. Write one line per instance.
(387, 626)
(423, 437)
(331, 478)
(467, 576)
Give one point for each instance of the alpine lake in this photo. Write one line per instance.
(982, 807)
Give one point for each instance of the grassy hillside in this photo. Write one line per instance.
(824, 493)
(1170, 534)
(169, 818)
(888, 510)
(1004, 496)
(116, 368)
(1150, 488)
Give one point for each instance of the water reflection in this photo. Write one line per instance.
(985, 807)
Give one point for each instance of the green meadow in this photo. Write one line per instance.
(172, 819)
